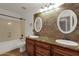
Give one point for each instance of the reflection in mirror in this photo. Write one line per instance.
(72, 21)
(62, 24)
(67, 21)
(68, 24)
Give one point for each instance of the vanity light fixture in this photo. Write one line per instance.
(50, 6)
(42, 9)
(47, 7)
(9, 23)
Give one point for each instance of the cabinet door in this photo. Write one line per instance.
(61, 51)
(42, 44)
(58, 54)
(30, 47)
(41, 51)
(42, 48)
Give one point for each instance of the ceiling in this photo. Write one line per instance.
(20, 8)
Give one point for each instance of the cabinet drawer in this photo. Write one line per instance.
(65, 51)
(37, 54)
(29, 41)
(30, 49)
(43, 45)
(57, 54)
(42, 51)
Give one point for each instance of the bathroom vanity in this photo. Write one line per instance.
(54, 46)
(48, 47)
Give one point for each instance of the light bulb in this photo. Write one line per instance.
(41, 10)
(50, 7)
(9, 23)
(45, 9)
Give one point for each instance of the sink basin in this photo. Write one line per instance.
(33, 36)
(67, 42)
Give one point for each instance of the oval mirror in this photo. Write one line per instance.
(38, 24)
(67, 21)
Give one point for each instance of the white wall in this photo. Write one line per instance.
(29, 19)
(9, 32)
(17, 27)
(28, 26)
(28, 16)
(2, 11)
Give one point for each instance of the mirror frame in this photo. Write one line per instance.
(40, 21)
(66, 13)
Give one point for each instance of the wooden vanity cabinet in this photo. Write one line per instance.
(61, 51)
(30, 46)
(42, 49)
(38, 48)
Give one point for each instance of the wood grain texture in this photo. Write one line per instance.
(42, 45)
(30, 47)
(42, 51)
(39, 48)
(61, 51)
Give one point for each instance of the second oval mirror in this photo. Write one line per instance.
(67, 21)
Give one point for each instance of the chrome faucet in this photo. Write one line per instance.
(65, 37)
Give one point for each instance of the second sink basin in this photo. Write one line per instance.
(67, 42)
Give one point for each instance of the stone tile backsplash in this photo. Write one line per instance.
(50, 28)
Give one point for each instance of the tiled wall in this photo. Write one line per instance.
(50, 28)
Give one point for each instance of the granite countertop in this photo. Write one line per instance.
(52, 41)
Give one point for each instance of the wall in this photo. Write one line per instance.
(13, 31)
(2, 11)
(50, 28)
(29, 16)
(29, 26)
(9, 32)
